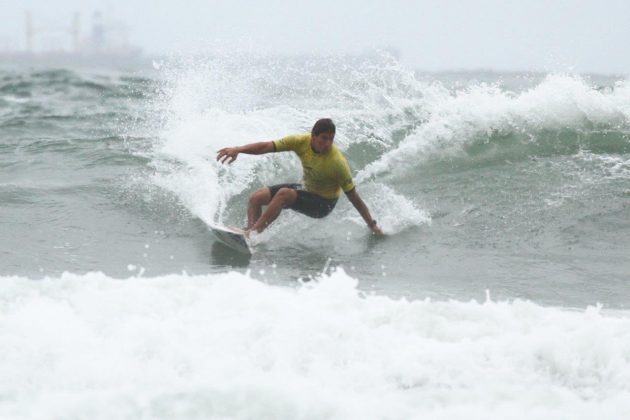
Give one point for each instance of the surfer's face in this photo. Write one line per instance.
(322, 142)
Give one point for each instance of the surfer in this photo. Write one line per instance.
(326, 174)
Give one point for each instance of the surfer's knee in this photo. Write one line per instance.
(286, 195)
(260, 197)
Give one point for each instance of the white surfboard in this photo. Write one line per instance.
(231, 237)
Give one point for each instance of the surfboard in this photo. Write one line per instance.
(232, 238)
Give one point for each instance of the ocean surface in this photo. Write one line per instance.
(501, 291)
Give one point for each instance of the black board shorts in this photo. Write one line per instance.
(307, 203)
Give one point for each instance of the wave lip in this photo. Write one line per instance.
(562, 109)
(225, 345)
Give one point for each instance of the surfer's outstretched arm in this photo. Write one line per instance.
(230, 154)
(361, 207)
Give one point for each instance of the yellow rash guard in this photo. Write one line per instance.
(324, 174)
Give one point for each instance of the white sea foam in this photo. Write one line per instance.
(396, 211)
(228, 346)
(612, 167)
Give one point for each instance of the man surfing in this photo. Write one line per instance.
(326, 174)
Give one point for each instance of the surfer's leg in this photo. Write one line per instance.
(259, 198)
(285, 197)
(313, 205)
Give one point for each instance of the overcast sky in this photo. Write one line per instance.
(548, 35)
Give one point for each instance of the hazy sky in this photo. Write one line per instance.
(429, 34)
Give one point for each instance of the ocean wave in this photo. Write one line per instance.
(389, 121)
(227, 346)
(561, 115)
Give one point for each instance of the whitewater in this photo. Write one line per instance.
(229, 346)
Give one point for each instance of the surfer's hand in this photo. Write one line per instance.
(377, 231)
(227, 153)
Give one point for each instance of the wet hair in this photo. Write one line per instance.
(325, 125)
